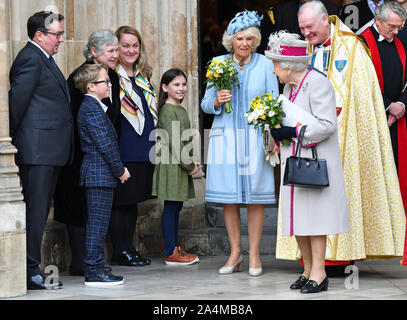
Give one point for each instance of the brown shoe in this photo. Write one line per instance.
(179, 257)
(190, 255)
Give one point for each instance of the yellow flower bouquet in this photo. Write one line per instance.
(223, 76)
(267, 113)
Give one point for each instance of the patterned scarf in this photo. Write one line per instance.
(131, 104)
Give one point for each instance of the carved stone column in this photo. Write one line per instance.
(12, 207)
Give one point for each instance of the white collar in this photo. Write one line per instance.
(39, 47)
(381, 38)
(104, 107)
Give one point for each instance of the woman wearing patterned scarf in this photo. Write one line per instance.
(138, 117)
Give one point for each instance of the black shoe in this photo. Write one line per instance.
(312, 286)
(127, 259)
(81, 272)
(137, 256)
(38, 282)
(301, 281)
(104, 279)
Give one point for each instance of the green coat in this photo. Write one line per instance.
(171, 180)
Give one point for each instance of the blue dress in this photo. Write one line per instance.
(237, 170)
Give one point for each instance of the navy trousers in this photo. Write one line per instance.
(169, 224)
(99, 201)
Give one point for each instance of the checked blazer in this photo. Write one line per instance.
(101, 164)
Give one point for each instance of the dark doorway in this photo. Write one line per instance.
(214, 19)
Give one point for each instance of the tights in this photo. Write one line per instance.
(169, 224)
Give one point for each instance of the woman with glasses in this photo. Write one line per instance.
(137, 118)
(70, 199)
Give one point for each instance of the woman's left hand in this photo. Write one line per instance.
(283, 133)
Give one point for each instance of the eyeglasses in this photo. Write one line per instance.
(57, 35)
(107, 82)
(393, 27)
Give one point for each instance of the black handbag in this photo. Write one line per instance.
(305, 172)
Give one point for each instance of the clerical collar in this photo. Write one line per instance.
(327, 43)
(381, 38)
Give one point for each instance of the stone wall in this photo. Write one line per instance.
(170, 31)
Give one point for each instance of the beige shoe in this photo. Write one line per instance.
(235, 268)
(255, 272)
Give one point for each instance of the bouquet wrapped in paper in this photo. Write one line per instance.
(223, 76)
(267, 113)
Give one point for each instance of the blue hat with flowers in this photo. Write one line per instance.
(244, 20)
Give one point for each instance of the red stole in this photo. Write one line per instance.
(401, 123)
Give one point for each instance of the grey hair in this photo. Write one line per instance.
(297, 66)
(318, 7)
(99, 39)
(227, 40)
(383, 11)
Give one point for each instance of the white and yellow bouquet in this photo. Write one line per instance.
(223, 76)
(267, 113)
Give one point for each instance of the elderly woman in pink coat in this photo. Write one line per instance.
(308, 213)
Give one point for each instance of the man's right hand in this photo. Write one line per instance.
(126, 176)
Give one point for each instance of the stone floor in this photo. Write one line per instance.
(381, 280)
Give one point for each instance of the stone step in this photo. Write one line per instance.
(209, 241)
(214, 216)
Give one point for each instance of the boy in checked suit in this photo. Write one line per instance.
(100, 169)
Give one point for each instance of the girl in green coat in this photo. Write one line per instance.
(172, 180)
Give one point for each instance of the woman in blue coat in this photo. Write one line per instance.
(237, 171)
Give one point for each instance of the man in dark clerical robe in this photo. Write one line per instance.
(389, 59)
(284, 17)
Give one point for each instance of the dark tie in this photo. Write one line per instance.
(59, 72)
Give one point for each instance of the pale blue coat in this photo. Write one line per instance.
(237, 171)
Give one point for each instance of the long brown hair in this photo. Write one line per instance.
(142, 61)
(167, 77)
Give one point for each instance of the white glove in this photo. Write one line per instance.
(274, 159)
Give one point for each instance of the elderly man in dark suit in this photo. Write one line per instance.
(41, 129)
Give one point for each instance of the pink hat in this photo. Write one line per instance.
(284, 46)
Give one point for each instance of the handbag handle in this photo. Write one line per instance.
(299, 147)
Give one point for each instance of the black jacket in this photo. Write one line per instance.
(359, 9)
(41, 123)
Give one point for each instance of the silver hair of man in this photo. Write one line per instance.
(318, 7)
(279, 38)
(383, 11)
(99, 39)
(254, 32)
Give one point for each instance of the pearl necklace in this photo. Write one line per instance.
(242, 63)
